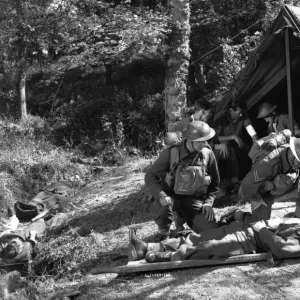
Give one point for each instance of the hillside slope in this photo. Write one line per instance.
(101, 213)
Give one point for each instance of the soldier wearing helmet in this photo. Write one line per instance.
(276, 122)
(185, 179)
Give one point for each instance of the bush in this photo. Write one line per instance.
(28, 163)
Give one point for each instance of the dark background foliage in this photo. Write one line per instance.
(96, 69)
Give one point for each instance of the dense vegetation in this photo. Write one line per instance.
(93, 74)
(94, 69)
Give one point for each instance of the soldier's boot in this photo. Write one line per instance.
(137, 247)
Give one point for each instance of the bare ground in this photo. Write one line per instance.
(101, 214)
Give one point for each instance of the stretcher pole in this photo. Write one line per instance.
(289, 77)
(143, 266)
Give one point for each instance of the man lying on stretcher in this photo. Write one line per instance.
(281, 237)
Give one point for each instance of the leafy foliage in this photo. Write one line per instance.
(224, 33)
(96, 68)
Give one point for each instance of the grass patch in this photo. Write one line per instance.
(29, 162)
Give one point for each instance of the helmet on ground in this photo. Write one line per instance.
(265, 109)
(295, 147)
(198, 131)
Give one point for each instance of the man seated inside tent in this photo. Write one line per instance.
(276, 122)
(233, 142)
(279, 236)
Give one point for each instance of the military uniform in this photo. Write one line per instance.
(252, 187)
(280, 123)
(280, 236)
(188, 206)
(229, 166)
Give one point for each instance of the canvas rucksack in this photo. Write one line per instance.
(264, 146)
(187, 179)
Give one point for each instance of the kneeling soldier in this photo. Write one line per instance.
(185, 179)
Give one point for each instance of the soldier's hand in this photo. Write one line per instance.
(165, 200)
(207, 180)
(267, 186)
(256, 204)
(224, 150)
(208, 211)
(238, 140)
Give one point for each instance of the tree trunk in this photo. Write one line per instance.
(21, 85)
(178, 63)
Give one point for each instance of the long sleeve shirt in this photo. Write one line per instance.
(281, 123)
(161, 167)
(267, 169)
(282, 240)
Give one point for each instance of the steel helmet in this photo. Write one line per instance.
(198, 131)
(265, 109)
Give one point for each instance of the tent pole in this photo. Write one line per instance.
(289, 78)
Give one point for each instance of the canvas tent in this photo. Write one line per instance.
(264, 77)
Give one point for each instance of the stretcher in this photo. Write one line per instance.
(143, 266)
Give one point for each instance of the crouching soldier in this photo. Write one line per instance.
(279, 237)
(185, 179)
(266, 179)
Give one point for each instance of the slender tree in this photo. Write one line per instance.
(178, 63)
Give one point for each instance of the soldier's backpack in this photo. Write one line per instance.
(264, 146)
(188, 179)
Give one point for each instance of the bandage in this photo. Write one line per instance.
(251, 131)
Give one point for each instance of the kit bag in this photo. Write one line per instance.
(187, 180)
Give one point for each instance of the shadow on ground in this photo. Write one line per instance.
(243, 281)
(121, 211)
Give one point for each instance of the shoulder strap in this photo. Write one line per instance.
(174, 158)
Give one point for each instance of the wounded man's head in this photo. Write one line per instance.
(12, 249)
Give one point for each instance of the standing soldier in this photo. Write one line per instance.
(185, 179)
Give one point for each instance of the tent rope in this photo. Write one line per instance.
(243, 31)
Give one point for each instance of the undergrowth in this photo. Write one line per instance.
(28, 161)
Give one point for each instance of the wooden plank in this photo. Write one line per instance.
(143, 266)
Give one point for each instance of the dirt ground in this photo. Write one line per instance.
(106, 209)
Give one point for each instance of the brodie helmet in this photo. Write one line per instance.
(265, 109)
(198, 131)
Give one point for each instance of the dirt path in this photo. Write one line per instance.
(105, 211)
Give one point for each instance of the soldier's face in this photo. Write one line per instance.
(269, 119)
(195, 146)
(202, 114)
(236, 113)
